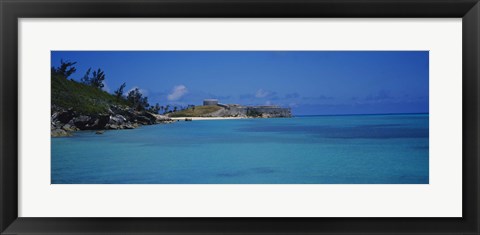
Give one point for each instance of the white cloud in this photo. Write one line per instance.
(106, 87)
(261, 93)
(177, 92)
(143, 91)
(131, 89)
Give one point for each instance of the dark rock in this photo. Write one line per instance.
(162, 119)
(82, 122)
(127, 113)
(117, 119)
(144, 120)
(58, 124)
(65, 116)
(102, 121)
(130, 116)
(54, 117)
(150, 116)
(68, 127)
(59, 133)
(91, 123)
(112, 126)
(99, 132)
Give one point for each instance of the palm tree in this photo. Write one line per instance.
(167, 107)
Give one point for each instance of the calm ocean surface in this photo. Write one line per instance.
(362, 149)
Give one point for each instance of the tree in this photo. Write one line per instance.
(155, 109)
(144, 103)
(175, 108)
(86, 78)
(167, 107)
(137, 100)
(191, 106)
(96, 80)
(65, 69)
(119, 92)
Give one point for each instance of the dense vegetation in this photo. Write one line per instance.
(83, 98)
(195, 111)
(86, 99)
(87, 96)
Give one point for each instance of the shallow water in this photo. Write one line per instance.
(361, 149)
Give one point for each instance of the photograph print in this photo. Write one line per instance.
(239, 117)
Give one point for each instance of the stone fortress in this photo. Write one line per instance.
(236, 110)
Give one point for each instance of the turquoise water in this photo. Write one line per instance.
(362, 149)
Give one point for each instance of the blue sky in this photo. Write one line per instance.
(310, 82)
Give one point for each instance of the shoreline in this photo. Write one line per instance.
(206, 118)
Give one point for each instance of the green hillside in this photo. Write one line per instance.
(83, 98)
(198, 111)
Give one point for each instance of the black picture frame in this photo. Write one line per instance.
(12, 10)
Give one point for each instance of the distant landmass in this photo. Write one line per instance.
(212, 108)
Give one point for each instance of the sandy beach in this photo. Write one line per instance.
(206, 118)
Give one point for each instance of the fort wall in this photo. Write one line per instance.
(231, 110)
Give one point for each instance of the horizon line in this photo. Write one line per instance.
(357, 114)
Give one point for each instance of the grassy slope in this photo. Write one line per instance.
(198, 111)
(82, 98)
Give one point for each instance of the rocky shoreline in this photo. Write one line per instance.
(66, 121)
